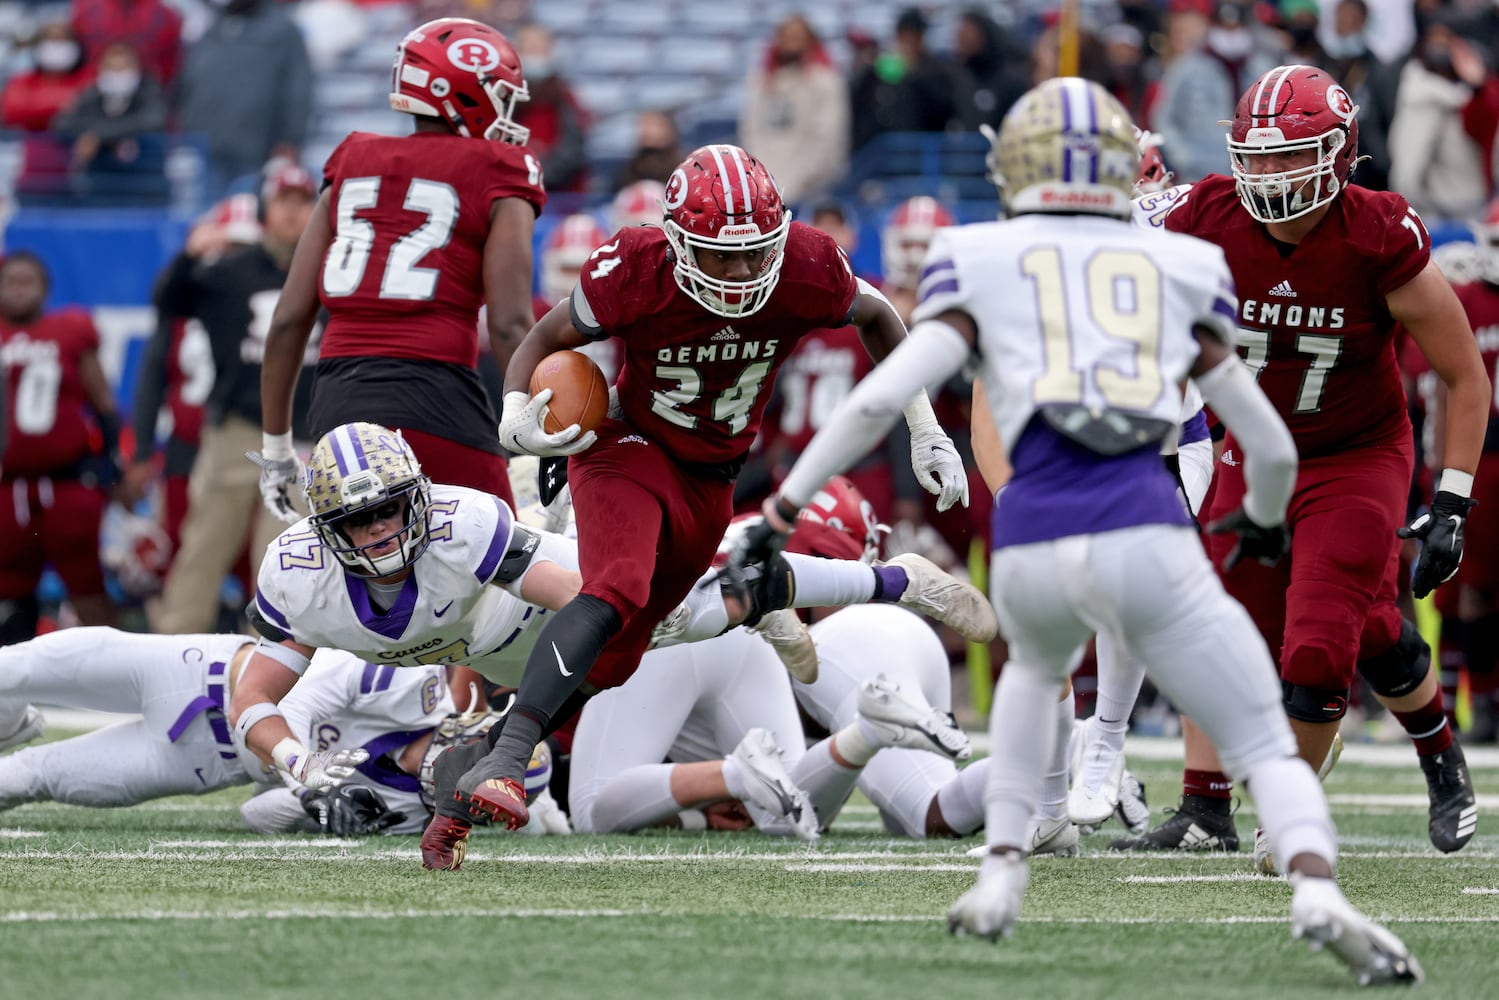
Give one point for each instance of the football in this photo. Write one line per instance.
(579, 393)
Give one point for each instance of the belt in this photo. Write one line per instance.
(212, 705)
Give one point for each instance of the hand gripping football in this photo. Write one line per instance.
(579, 393)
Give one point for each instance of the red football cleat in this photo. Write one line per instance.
(500, 800)
(444, 843)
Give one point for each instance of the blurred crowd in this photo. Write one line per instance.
(103, 88)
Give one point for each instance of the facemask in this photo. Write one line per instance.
(1347, 46)
(539, 68)
(56, 55)
(1230, 43)
(118, 82)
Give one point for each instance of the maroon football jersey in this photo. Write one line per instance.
(403, 277)
(823, 369)
(1313, 320)
(695, 382)
(1481, 302)
(190, 374)
(50, 420)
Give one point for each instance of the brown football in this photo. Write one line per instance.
(579, 393)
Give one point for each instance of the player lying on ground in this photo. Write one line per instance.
(1084, 327)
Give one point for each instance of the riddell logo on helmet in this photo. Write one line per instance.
(736, 232)
(1076, 199)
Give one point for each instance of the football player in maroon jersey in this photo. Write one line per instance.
(707, 307)
(62, 439)
(1325, 271)
(411, 236)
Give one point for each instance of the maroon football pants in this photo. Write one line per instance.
(45, 520)
(453, 464)
(647, 529)
(1332, 600)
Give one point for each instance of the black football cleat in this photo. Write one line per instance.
(1454, 809)
(1193, 826)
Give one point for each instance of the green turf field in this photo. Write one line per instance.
(171, 899)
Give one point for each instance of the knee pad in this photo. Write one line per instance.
(19, 617)
(1309, 704)
(1400, 669)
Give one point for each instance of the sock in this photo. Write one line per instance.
(1213, 785)
(1427, 726)
(829, 583)
(733, 779)
(1450, 661)
(890, 583)
(856, 744)
(961, 800)
(827, 783)
(1054, 784)
(637, 797)
(1022, 735)
(1119, 681)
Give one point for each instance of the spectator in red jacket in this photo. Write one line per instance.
(150, 27)
(556, 120)
(31, 100)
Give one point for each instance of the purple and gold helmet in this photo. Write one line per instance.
(360, 473)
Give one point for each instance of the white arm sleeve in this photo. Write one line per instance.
(932, 354)
(1270, 452)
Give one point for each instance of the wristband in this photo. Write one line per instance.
(1456, 482)
(277, 447)
(919, 413)
(287, 754)
(775, 514)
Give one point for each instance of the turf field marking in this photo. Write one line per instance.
(20, 834)
(1474, 890)
(1416, 801)
(864, 866)
(1173, 879)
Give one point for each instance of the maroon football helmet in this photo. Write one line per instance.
(838, 524)
(567, 249)
(906, 237)
(638, 204)
(1293, 109)
(723, 199)
(463, 72)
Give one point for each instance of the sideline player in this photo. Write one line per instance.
(411, 235)
(1081, 352)
(707, 307)
(1325, 271)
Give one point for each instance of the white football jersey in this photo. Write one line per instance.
(448, 611)
(1080, 311)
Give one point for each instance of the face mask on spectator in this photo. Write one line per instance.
(118, 82)
(1230, 43)
(538, 68)
(1347, 46)
(56, 55)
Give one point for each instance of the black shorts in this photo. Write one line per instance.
(435, 397)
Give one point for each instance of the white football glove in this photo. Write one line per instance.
(938, 466)
(521, 431)
(317, 769)
(281, 474)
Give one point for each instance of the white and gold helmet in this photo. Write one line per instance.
(1066, 146)
(359, 473)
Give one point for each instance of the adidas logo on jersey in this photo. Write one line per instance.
(727, 333)
(633, 439)
(1228, 458)
(1284, 290)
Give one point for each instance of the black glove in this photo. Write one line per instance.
(1441, 532)
(551, 476)
(349, 811)
(1266, 545)
(758, 543)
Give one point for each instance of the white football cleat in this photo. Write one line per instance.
(770, 787)
(1321, 916)
(942, 597)
(1133, 811)
(670, 630)
(1057, 836)
(789, 637)
(547, 818)
(1097, 774)
(33, 724)
(991, 908)
(1264, 860)
(1331, 760)
(903, 723)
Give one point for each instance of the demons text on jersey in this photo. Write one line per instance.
(725, 346)
(1291, 314)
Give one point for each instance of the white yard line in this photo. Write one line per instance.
(20, 834)
(1174, 879)
(864, 866)
(1480, 891)
(1419, 801)
(312, 913)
